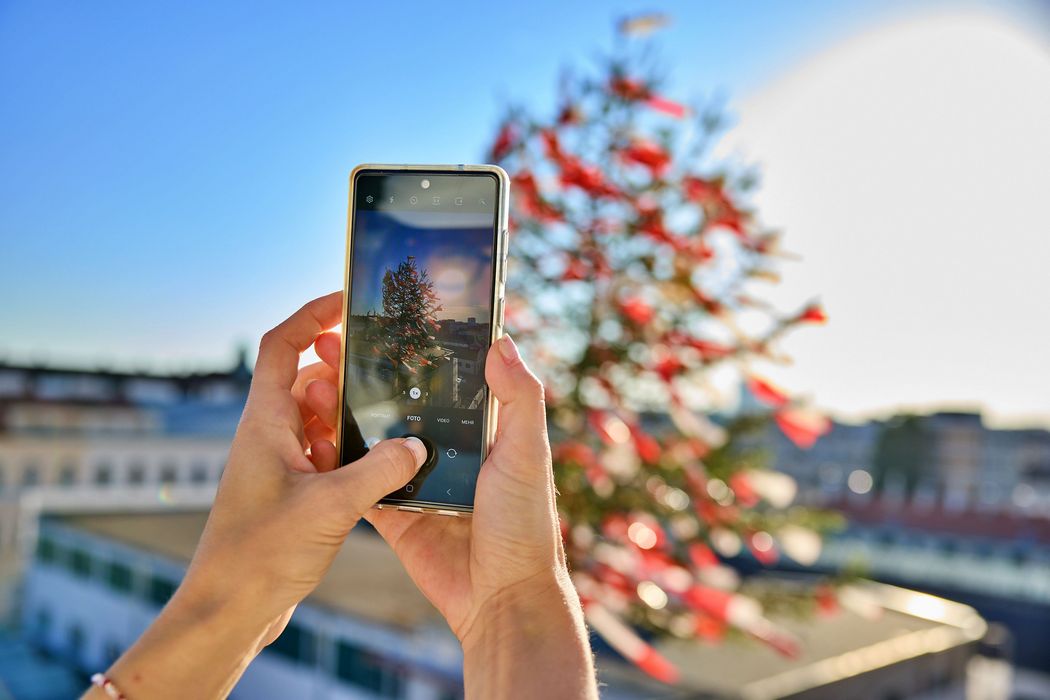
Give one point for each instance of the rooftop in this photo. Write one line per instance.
(49, 384)
(834, 648)
(366, 580)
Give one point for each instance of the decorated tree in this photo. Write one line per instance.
(405, 331)
(635, 289)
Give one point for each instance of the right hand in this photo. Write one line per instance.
(511, 548)
(499, 577)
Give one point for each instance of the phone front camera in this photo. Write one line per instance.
(425, 184)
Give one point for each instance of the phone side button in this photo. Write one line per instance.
(506, 249)
(453, 513)
(410, 509)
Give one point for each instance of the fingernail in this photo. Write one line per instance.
(418, 449)
(509, 350)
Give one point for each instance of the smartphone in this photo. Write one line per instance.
(426, 257)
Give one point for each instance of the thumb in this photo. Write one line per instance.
(522, 438)
(387, 467)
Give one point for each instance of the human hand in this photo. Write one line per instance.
(280, 515)
(499, 577)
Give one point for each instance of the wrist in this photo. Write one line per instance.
(537, 623)
(199, 644)
(236, 612)
(532, 602)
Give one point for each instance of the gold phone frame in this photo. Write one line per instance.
(499, 272)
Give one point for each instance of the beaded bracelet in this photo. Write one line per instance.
(107, 686)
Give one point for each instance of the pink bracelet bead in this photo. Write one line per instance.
(107, 686)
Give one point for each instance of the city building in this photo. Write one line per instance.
(69, 428)
(822, 471)
(941, 503)
(96, 581)
(104, 477)
(960, 464)
(915, 646)
(455, 377)
(104, 439)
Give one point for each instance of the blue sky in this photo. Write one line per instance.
(173, 178)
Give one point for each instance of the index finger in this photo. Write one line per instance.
(279, 349)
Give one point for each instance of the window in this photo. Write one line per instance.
(31, 475)
(103, 474)
(42, 624)
(136, 474)
(160, 590)
(119, 577)
(296, 643)
(168, 474)
(46, 550)
(80, 563)
(199, 475)
(67, 475)
(364, 668)
(75, 643)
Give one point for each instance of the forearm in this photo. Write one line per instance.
(530, 643)
(195, 648)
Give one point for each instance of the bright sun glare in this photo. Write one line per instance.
(910, 167)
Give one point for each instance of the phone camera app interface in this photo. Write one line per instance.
(419, 323)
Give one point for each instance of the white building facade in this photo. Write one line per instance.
(88, 597)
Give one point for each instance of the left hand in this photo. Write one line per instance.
(280, 515)
(282, 512)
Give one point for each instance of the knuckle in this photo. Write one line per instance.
(396, 461)
(532, 383)
(531, 386)
(267, 339)
(346, 502)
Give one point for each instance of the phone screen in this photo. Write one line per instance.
(419, 323)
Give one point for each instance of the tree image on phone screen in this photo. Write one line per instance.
(433, 358)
